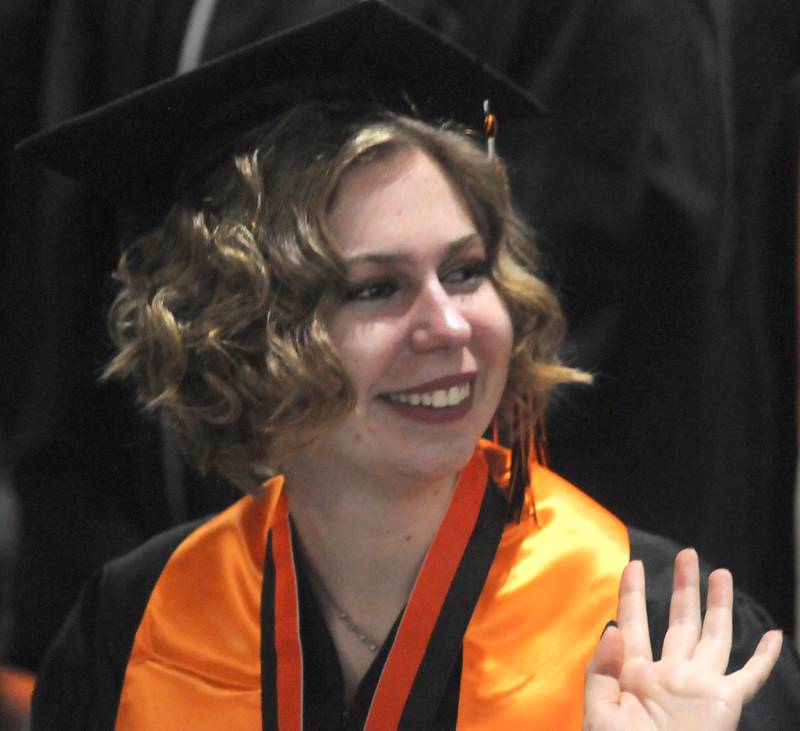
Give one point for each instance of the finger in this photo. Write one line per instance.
(754, 674)
(603, 671)
(714, 648)
(632, 612)
(684, 607)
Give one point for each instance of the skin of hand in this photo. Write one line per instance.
(687, 688)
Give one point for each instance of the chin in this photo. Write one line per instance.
(433, 462)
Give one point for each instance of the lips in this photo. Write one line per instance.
(440, 400)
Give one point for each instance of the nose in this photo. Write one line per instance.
(439, 320)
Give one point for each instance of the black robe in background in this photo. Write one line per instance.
(87, 466)
(641, 183)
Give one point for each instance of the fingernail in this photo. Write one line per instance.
(772, 637)
(611, 623)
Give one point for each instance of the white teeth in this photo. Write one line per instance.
(438, 399)
(454, 396)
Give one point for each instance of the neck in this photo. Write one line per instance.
(364, 545)
(364, 539)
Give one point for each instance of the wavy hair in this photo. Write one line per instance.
(220, 318)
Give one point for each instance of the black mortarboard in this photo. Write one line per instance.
(138, 142)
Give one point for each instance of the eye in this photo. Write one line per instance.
(370, 291)
(467, 273)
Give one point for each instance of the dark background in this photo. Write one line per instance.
(663, 187)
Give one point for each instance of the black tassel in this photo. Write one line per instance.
(519, 480)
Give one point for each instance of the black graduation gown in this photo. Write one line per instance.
(81, 682)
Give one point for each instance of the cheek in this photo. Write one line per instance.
(366, 351)
(493, 333)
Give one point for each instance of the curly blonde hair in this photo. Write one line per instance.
(220, 319)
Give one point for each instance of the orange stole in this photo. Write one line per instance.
(196, 660)
(548, 596)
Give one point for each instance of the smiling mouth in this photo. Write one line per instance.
(440, 398)
(436, 402)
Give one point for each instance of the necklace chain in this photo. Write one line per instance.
(353, 627)
(345, 618)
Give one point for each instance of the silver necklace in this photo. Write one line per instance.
(345, 618)
(353, 627)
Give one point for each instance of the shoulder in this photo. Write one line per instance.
(777, 706)
(126, 582)
(82, 676)
(79, 681)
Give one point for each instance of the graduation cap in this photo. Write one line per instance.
(369, 51)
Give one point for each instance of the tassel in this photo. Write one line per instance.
(529, 445)
(519, 480)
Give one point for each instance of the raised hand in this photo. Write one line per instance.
(687, 688)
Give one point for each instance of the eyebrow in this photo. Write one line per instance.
(453, 248)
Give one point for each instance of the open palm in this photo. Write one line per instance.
(687, 688)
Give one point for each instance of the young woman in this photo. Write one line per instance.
(332, 316)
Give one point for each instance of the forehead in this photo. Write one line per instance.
(398, 204)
